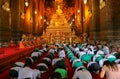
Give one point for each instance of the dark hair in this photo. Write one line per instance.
(81, 68)
(27, 78)
(28, 62)
(111, 65)
(55, 75)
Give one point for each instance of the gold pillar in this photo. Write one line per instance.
(5, 21)
(41, 16)
(82, 15)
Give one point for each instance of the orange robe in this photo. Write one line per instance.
(21, 45)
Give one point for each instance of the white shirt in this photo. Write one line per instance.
(39, 53)
(41, 50)
(80, 53)
(85, 49)
(61, 54)
(95, 56)
(25, 72)
(51, 51)
(48, 59)
(76, 50)
(21, 64)
(42, 64)
(44, 48)
(76, 70)
(102, 61)
(36, 74)
(106, 50)
(82, 74)
(71, 60)
(35, 54)
(99, 52)
(92, 47)
(117, 61)
(16, 68)
(90, 52)
(76, 60)
(55, 60)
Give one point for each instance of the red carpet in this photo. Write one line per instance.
(8, 51)
(69, 68)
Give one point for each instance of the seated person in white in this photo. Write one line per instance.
(15, 70)
(102, 61)
(93, 67)
(36, 74)
(42, 67)
(117, 61)
(100, 52)
(29, 60)
(61, 53)
(106, 50)
(55, 60)
(97, 58)
(26, 72)
(35, 56)
(51, 50)
(110, 57)
(47, 61)
(76, 63)
(82, 73)
(76, 49)
(20, 64)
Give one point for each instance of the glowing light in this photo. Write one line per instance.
(40, 17)
(85, 1)
(6, 7)
(56, 23)
(44, 20)
(35, 12)
(22, 15)
(75, 16)
(47, 23)
(78, 11)
(26, 4)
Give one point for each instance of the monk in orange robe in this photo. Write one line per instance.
(21, 44)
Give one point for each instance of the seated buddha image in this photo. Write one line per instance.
(59, 10)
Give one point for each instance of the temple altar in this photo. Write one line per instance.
(59, 30)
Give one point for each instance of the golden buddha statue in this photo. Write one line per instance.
(59, 10)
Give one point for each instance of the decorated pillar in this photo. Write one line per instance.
(41, 16)
(34, 12)
(5, 22)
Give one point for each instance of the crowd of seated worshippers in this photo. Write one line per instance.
(95, 61)
(80, 71)
(29, 42)
(84, 58)
(23, 70)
